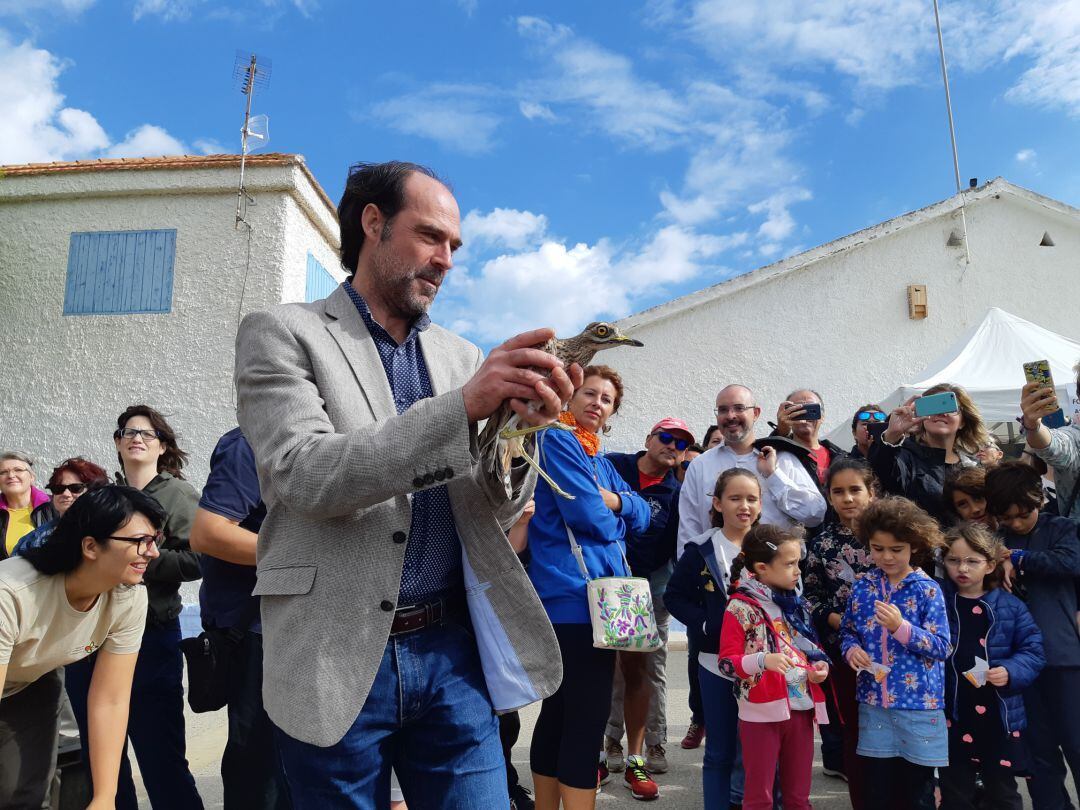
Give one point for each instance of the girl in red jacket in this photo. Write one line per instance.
(769, 648)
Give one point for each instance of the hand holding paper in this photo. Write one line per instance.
(977, 674)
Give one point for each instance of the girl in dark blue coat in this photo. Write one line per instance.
(997, 653)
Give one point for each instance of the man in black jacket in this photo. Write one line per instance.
(650, 473)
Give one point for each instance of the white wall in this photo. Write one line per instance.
(65, 379)
(840, 325)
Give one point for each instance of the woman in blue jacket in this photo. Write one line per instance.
(571, 724)
(997, 654)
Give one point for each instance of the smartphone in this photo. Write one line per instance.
(935, 404)
(1039, 372)
(812, 413)
(876, 429)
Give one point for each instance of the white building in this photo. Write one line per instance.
(838, 318)
(123, 281)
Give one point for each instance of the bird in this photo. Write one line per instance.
(503, 437)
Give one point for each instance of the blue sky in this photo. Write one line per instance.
(607, 156)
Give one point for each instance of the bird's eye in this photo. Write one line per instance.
(601, 331)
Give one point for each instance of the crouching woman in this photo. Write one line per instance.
(76, 593)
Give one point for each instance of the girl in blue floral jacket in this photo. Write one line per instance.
(895, 633)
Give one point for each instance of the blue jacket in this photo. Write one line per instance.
(917, 678)
(696, 595)
(653, 548)
(1013, 641)
(1049, 564)
(600, 532)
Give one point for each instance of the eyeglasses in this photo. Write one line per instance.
(144, 541)
(738, 410)
(668, 438)
(74, 489)
(18, 472)
(131, 433)
(876, 416)
(966, 562)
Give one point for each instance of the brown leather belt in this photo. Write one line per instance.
(411, 618)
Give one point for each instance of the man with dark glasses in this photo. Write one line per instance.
(868, 422)
(640, 693)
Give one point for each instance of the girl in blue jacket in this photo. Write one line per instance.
(997, 652)
(895, 633)
(570, 727)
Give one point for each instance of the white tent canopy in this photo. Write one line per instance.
(988, 361)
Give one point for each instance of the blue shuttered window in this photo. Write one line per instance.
(319, 281)
(120, 272)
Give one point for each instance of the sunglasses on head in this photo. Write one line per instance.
(876, 416)
(74, 489)
(668, 438)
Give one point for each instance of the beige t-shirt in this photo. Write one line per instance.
(40, 630)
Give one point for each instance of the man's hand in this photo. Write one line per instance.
(1035, 403)
(902, 421)
(786, 414)
(766, 462)
(818, 672)
(857, 658)
(513, 372)
(835, 619)
(612, 500)
(997, 676)
(526, 514)
(1008, 573)
(888, 616)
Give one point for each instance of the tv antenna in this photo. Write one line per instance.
(252, 71)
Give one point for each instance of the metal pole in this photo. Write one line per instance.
(250, 90)
(948, 98)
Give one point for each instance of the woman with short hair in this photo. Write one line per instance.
(74, 595)
(19, 498)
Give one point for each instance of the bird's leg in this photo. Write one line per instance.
(526, 431)
(562, 493)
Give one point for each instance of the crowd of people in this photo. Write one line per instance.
(380, 601)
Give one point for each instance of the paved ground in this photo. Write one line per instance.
(680, 788)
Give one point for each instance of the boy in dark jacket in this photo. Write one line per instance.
(1041, 568)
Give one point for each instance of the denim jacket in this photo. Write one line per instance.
(916, 652)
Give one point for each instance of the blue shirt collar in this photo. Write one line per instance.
(420, 324)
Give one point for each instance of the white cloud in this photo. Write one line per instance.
(468, 6)
(779, 224)
(210, 146)
(1028, 156)
(147, 140)
(503, 228)
(534, 111)
(1052, 41)
(167, 10)
(456, 116)
(36, 126)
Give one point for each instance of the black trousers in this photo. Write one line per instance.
(1053, 736)
(29, 729)
(570, 729)
(885, 779)
(958, 788)
(697, 711)
(509, 731)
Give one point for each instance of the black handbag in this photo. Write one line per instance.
(211, 657)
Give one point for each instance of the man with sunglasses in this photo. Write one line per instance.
(640, 691)
(867, 423)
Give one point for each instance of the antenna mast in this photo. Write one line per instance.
(948, 97)
(252, 72)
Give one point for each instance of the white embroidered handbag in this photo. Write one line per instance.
(620, 609)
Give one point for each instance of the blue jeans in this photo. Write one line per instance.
(155, 722)
(722, 721)
(428, 715)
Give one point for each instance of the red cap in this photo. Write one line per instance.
(673, 425)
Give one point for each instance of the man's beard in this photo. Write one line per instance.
(394, 280)
(743, 433)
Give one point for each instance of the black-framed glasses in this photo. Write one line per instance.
(738, 410)
(74, 489)
(144, 541)
(668, 438)
(131, 433)
(872, 416)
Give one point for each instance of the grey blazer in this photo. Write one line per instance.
(337, 467)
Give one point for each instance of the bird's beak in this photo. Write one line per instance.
(629, 341)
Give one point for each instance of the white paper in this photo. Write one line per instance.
(977, 674)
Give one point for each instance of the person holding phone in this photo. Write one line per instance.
(1058, 447)
(869, 422)
(799, 418)
(915, 453)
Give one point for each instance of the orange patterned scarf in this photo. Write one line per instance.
(589, 441)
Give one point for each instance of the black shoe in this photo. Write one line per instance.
(521, 798)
